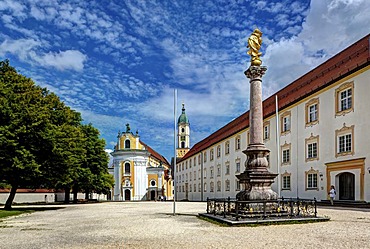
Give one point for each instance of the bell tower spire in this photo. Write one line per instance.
(183, 134)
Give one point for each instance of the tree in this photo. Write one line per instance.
(93, 174)
(23, 119)
(42, 141)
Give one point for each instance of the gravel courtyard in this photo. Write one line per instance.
(152, 225)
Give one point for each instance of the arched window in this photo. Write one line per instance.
(182, 144)
(127, 144)
(127, 168)
(152, 183)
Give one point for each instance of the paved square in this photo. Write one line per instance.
(151, 225)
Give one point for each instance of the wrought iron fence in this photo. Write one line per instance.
(280, 208)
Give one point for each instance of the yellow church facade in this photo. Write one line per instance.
(140, 173)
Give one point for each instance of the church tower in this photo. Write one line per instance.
(183, 134)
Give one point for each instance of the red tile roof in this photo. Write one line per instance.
(155, 154)
(27, 190)
(348, 61)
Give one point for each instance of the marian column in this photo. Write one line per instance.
(256, 179)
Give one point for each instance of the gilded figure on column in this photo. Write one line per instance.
(254, 45)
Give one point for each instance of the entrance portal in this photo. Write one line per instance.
(346, 186)
(127, 195)
(152, 195)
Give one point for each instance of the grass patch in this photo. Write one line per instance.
(218, 223)
(7, 213)
(23, 210)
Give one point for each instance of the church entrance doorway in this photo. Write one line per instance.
(152, 195)
(346, 186)
(127, 195)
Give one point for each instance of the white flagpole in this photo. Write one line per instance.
(277, 144)
(174, 147)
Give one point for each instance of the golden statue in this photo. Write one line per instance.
(254, 45)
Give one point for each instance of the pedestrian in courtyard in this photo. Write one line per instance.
(332, 194)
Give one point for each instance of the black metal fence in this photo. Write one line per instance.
(280, 208)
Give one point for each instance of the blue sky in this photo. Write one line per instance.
(119, 62)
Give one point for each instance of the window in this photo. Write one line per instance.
(311, 179)
(211, 187)
(237, 143)
(199, 159)
(182, 130)
(205, 173)
(227, 169)
(227, 147)
(179, 178)
(211, 172)
(266, 130)
(205, 187)
(127, 168)
(190, 188)
(218, 170)
(183, 178)
(182, 166)
(186, 177)
(195, 175)
(127, 144)
(285, 154)
(190, 163)
(237, 166)
(218, 186)
(344, 96)
(237, 185)
(205, 156)
(285, 181)
(211, 155)
(312, 148)
(186, 165)
(152, 183)
(344, 141)
(183, 189)
(190, 176)
(199, 188)
(227, 185)
(218, 151)
(285, 123)
(312, 112)
(194, 162)
(195, 187)
(199, 174)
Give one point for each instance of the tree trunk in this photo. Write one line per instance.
(9, 201)
(66, 195)
(87, 194)
(74, 195)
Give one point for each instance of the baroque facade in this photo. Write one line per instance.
(318, 138)
(140, 173)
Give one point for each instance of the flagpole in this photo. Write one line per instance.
(174, 150)
(277, 143)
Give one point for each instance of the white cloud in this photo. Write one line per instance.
(63, 60)
(27, 51)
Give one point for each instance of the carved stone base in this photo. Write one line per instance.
(256, 178)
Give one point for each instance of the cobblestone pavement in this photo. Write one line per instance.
(152, 225)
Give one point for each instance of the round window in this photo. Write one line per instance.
(152, 183)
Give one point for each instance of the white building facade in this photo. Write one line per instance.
(140, 173)
(319, 138)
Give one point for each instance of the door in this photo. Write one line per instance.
(346, 186)
(186, 191)
(127, 195)
(152, 195)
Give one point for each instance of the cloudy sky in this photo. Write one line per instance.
(119, 62)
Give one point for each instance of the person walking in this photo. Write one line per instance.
(332, 194)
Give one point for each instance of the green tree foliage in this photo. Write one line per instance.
(42, 141)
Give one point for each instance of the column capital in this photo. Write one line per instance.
(255, 72)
